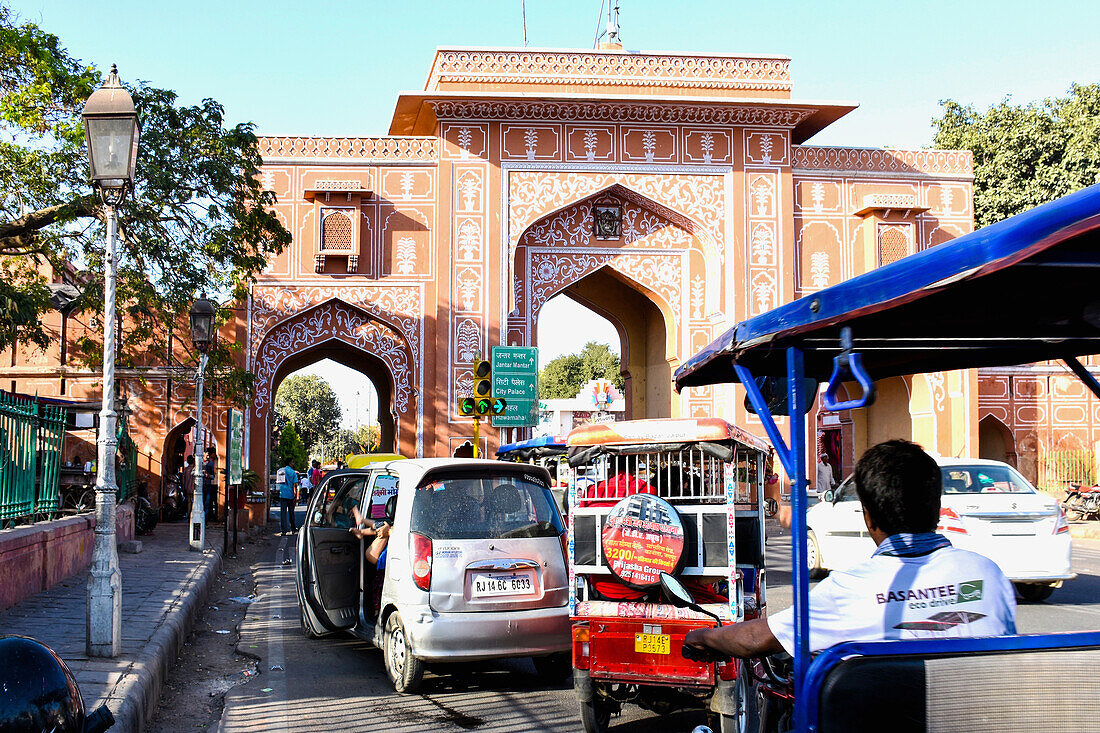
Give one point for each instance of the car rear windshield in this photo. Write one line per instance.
(983, 480)
(484, 507)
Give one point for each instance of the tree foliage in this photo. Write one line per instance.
(1026, 155)
(291, 448)
(198, 219)
(307, 402)
(564, 376)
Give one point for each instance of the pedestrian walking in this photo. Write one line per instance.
(288, 482)
(187, 481)
(315, 473)
(306, 485)
(209, 483)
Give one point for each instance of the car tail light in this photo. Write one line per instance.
(950, 521)
(1061, 526)
(421, 561)
(582, 646)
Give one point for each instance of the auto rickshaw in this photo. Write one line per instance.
(677, 496)
(548, 451)
(1020, 291)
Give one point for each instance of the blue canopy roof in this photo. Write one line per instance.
(1022, 290)
(534, 448)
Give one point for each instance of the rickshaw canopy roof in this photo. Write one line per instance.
(540, 447)
(1018, 291)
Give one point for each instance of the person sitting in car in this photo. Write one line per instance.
(915, 585)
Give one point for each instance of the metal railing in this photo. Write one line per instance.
(126, 472)
(1058, 468)
(31, 435)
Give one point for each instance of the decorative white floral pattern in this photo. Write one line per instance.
(405, 252)
(698, 293)
(819, 270)
(468, 340)
(334, 320)
(469, 239)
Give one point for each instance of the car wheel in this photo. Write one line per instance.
(1034, 592)
(596, 715)
(553, 668)
(405, 671)
(813, 556)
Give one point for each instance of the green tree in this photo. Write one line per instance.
(198, 219)
(367, 438)
(1026, 155)
(291, 447)
(307, 402)
(564, 376)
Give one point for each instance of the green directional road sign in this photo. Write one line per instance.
(236, 447)
(516, 381)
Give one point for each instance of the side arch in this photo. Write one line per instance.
(327, 327)
(995, 441)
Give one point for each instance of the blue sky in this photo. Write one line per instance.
(328, 68)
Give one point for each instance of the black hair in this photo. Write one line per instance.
(900, 485)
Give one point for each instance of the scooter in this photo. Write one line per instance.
(174, 507)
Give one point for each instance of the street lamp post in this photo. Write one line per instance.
(111, 132)
(202, 335)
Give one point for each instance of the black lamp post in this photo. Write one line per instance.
(111, 132)
(202, 314)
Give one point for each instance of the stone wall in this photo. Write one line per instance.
(36, 557)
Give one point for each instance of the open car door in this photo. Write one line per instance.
(329, 557)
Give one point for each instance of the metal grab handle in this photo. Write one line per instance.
(848, 366)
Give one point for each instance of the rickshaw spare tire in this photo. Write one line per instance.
(643, 537)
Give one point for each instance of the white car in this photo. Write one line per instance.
(987, 507)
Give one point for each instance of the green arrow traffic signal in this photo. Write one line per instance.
(498, 406)
(466, 406)
(484, 406)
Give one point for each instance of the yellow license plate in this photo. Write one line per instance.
(652, 643)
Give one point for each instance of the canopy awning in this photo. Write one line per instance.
(1022, 290)
(540, 447)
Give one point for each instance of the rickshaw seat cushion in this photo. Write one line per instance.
(874, 694)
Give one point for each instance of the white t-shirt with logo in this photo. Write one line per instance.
(946, 593)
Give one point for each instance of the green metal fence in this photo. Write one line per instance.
(1058, 468)
(30, 456)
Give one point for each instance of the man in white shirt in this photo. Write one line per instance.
(825, 478)
(915, 585)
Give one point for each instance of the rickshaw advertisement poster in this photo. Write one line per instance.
(643, 537)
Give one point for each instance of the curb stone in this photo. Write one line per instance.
(135, 698)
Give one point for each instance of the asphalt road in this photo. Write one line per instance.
(339, 683)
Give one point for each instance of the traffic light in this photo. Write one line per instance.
(483, 379)
(498, 407)
(466, 406)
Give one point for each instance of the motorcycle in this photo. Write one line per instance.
(145, 516)
(1082, 502)
(174, 507)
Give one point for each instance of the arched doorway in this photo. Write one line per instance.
(351, 336)
(360, 361)
(645, 275)
(644, 339)
(995, 441)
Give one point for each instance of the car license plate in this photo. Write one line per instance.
(488, 584)
(652, 643)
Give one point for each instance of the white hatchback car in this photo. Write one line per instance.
(987, 507)
(475, 565)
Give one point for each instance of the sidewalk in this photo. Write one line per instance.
(164, 587)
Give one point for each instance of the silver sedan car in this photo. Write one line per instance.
(474, 569)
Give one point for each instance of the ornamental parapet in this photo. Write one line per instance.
(424, 150)
(949, 163)
(496, 67)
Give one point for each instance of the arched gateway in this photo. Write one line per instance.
(671, 194)
(668, 193)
